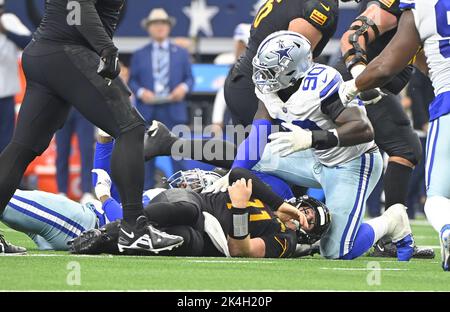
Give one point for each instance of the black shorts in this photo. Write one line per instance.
(240, 98)
(61, 76)
(393, 131)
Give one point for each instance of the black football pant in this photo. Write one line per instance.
(240, 98)
(59, 77)
(179, 218)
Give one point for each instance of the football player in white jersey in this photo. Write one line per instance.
(425, 23)
(321, 144)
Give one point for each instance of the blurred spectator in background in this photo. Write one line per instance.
(240, 37)
(13, 36)
(420, 94)
(161, 77)
(75, 123)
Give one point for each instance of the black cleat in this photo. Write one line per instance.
(144, 237)
(7, 249)
(158, 141)
(386, 249)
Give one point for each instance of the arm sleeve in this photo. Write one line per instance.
(260, 191)
(219, 107)
(250, 151)
(113, 210)
(281, 245)
(92, 29)
(102, 160)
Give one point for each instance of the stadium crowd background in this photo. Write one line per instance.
(208, 30)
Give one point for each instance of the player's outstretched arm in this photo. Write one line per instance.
(394, 58)
(373, 22)
(251, 149)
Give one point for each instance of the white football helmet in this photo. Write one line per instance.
(194, 179)
(282, 58)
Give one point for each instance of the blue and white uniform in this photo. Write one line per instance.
(432, 19)
(346, 174)
(49, 220)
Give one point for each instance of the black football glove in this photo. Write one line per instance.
(109, 67)
(97, 241)
(372, 96)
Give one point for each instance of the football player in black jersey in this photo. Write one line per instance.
(244, 223)
(367, 36)
(314, 19)
(72, 61)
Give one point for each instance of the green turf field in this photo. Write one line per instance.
(52, 271)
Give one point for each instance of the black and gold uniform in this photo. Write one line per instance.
(180, 212)
(274, 15)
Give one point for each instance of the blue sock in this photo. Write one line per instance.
(365, 238)
(102, 160)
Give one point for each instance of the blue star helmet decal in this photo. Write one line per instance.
(283, 52)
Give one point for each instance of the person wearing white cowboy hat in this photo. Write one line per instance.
(161, 77)
(157, 15)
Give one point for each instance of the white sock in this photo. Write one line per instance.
(380, 226)
(437, 209)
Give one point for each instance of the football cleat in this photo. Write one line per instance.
(7, 249)
(145, 237)
(158, 140)
(386, 249)
(399, 230)
(444, 238)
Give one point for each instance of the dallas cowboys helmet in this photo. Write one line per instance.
(320, 222)
(282, 58)
(195, 179)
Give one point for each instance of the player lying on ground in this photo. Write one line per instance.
(424, 23)
(240, 222)
(322, 144)
(51, 220)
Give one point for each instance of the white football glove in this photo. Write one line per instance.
(103, 185)
(286, 143)
(348, 92)
(221, 185)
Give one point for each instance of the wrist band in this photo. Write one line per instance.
(239, 228)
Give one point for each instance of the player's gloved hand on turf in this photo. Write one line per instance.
(348, 92)
(103, 185)
(286, 143)
(109, 67)
(220, 185)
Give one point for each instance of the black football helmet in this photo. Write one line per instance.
(321, 221)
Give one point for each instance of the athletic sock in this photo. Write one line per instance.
(396, 183)
(437, 209)
(380, 227)
(127, 172)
